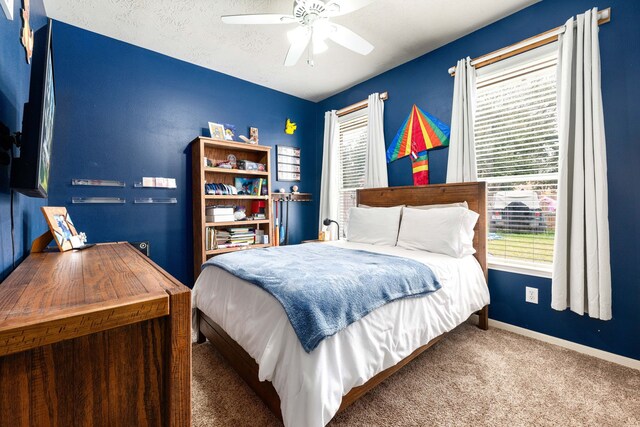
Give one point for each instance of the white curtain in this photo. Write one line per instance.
(462, 166)
(581, 268)
(330, 184)
(376, 162)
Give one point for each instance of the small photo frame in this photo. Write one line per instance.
(61, 226)
(229, 132)
(216, 130)
(253, 136)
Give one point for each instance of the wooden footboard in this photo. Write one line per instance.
(247, 367)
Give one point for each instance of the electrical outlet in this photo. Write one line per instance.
(531, 295)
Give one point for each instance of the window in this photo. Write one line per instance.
(516, 135)
(352, 155)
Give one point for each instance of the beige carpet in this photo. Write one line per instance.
(471, 377)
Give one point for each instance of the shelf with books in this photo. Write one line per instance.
(236, 171)
(237, 223)
(219, 238)
(217, 211)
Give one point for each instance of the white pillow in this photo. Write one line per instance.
(376, 226)
(447, 231)
(442, 205)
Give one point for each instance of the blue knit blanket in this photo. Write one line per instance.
(323, 288)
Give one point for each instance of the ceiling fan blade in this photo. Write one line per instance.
(347, 38)
(259, 19)
(342, 7)
(297, 48)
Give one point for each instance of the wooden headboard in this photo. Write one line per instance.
(474, 193)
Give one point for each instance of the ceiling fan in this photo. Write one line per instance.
(315, 27)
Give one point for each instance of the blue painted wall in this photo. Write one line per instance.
(15, 75)
(124, 112)
(425, 81)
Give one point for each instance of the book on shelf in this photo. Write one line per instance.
(257, 186)
(220, 209)
(220, 213)
(238, 229)
(230, 237)
(220, 218)
(242, 235)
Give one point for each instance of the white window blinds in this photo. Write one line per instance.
(517, 154)
(353, 151)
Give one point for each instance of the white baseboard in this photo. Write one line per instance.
(600, 354)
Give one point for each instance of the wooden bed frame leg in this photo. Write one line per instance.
(483, 318)
(201, 338)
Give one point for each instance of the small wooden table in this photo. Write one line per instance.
(94, 337)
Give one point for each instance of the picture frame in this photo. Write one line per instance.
(254, 137)
(288, 163)
(61, 227)
(216, 130)
(229, 132)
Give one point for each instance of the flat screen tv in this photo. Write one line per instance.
(30, 171)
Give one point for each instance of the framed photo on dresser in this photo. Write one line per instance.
(61, 226)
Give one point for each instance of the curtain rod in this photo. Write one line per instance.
(359, 105)
(531, 43)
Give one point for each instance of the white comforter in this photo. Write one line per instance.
(311, 385)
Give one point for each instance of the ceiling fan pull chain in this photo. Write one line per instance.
(310, 61)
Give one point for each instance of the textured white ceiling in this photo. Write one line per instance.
(191, 30)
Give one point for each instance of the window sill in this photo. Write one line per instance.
(526, 269)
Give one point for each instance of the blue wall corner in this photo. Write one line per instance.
(15, 75)
(425, 82)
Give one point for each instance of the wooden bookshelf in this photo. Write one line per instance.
(218, 150)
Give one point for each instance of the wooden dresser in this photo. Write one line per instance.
(98, 337)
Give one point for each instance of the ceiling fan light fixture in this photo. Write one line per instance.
(322, 29)
(319, 46)
(314, 27)
(297, 33)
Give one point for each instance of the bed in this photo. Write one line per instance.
(251, 331)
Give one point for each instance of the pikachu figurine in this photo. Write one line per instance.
(290, 127)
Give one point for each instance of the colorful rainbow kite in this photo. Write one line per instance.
(420, 133)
